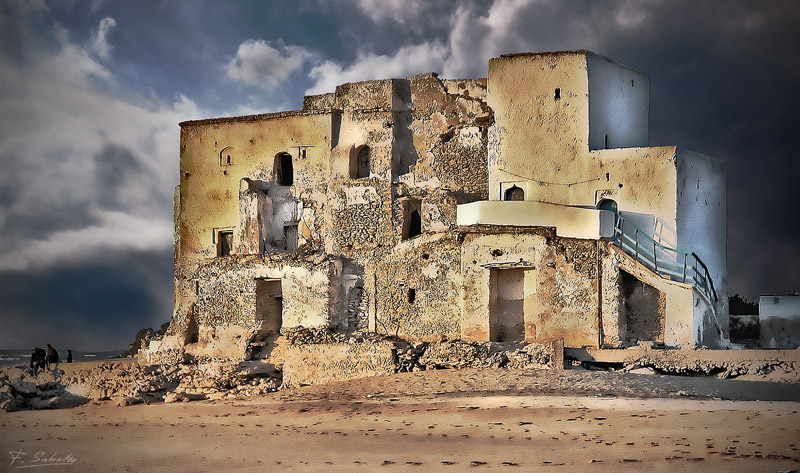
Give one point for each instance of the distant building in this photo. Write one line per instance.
(779, 320)
(523, 207)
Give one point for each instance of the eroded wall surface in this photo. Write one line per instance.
(351, 204)
(779, 321)
(560, 283)
(336, 234)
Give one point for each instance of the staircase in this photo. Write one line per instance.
(665, 261)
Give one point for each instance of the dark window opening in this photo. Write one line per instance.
(283, 170)
(606, 144)
(225, 158)
(415, 224)
(425, 256)
(224, 243)
(608, 177)
(557, 94)
(514, 193)
(412, 295)
(631, 82)
(336, 126)
(776, 300)
(359, 164)
(193, 331)
(412, 219)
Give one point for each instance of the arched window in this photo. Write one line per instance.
(283, 169)
(359, 162)
(607, 204)
(514, 193)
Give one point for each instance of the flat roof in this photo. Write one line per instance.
(253, 118)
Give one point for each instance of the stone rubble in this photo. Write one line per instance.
(125, 382)
(784, 371)
(19, 389)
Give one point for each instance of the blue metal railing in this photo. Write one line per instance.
(668, 262)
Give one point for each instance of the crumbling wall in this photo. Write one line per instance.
(225, 308)
(450, 123)
(324, 363)
(561, 287)
(360, 216)
(416, 288)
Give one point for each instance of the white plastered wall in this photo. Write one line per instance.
(701, 217)
(618, 104)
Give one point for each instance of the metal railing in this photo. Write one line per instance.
(668, 262)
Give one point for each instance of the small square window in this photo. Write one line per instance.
(776, 300)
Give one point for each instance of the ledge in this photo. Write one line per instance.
(570, 222)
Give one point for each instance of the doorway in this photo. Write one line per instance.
(506, 305)
(642, 309)
(269, 305)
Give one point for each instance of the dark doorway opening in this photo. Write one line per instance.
(642, 308)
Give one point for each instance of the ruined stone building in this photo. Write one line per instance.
(523, 207)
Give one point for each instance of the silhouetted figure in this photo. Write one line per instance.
(38, 357)
(69, 356)
(52, 356)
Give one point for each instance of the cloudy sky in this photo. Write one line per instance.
(91, 93)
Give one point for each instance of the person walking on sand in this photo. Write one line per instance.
(52, 356)
(37, 360)
(69, 356)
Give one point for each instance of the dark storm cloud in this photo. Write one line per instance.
(92, 94)
(724, 82)
(92, 306)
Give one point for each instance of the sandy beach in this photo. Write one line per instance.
(525, 420)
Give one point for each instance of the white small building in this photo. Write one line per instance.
(779, 320)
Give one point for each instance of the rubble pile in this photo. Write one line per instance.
(127, 383)
(680, 365)
(408, 355)
(455, 354)
(533, 355)
(19, 389)
(464, 354)
(311, 336)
